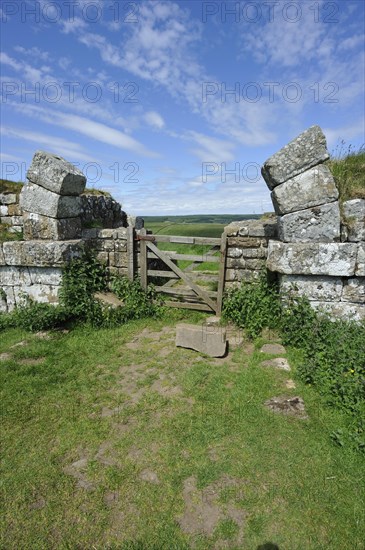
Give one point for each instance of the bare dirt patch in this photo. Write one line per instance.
(77, 470)
(203, 510)
(150, 476)
(293, 406)
(30, 361)
(5, 356)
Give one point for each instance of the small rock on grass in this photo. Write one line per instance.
(277, 363)
(274, 349)
(293, 406)
(150, 476)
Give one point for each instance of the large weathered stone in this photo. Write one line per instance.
(303, 152)
(45, 275)
(38, 293)
(41, 253)
(38, 200)
(36, 226)
(360, 260)
(354, 290)
(11, 275)
(208, 340)
(252, 228)
(245, 263)
(341, 310)
(312, 188)
(319, 223)
(313, 287)
(56, 174)
(312, 258)
(354, 218)
(7, 198)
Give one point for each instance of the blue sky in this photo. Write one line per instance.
(173, 106)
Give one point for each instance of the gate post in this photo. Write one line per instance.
(143, 258)
(222, 272)
(130, 252)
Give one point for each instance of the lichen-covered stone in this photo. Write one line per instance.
(303, 152)
(36, 226)
(234, 252)
(354, 218)
(360, 260)
(7, 198)
(39, 293)
(38, 200)
(341, 310)
(241, 275)
(11, 275)
(56, 174)
(102, 210)
(335, 259)
(354, 290)
(314, 287)
(252, 228)
(319, 223)
(41, 253)
(2, 257)
(245, 263)
(311, 188)
(4, 211)
(45, 275)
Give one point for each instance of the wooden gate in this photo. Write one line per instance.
(185, 285)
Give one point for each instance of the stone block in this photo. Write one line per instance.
(8, 198)
(241, 275)
(335, 259)
(41, 253)
(208, 340)
(354, 218)
(254, 252)
(37, 226)
(47, 294)
(14, 210)
(2, 257)
(118, 259)
(38, 200)
(354, 290)
(245, 263)
(246, 242)
(303, 152)
(103, 257)
(252, 228)
(4, 211)
(360, 260)
(45, 275)
(319, 287)
(16, 229)
(345, 311)
(9, 298)
(11, 275)
(312, 188)
(319, 223)
(234, 252)
(56, 174)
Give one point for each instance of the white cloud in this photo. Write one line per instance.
(154, 119)
(67, 148)
(90, 128)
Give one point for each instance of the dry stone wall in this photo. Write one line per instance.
(10, 212)
(53, 234)
(320, 247)
(316, 246)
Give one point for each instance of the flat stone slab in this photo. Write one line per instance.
(313, 258)
(293, 406)
(312, 188)
(38, 200)
(319, 223)
(277, 363)
(303, 152)
(108, 299)
(274, 349)
(315, 287)
(56, 174)
(205, 339)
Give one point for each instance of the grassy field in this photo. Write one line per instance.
(118, 439)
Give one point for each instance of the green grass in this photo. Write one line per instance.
(7, 186)
(87, 394)
(348, 169)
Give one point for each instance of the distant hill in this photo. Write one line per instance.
(201, 218)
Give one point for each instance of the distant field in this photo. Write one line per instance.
(210, 225)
